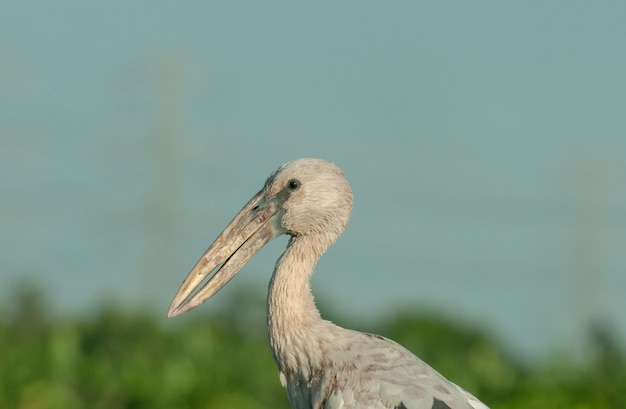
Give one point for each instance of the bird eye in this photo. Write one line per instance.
(293, 184)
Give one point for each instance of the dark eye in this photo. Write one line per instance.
(293, 184)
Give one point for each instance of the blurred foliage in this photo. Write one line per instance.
(119, 359)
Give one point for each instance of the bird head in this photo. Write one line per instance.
(304, 198)
(313, 197)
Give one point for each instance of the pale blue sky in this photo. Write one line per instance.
(485, 144)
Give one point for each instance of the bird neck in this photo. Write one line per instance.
(294, 322)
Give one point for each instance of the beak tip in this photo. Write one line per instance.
(177, 309)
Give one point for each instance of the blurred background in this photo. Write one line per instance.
(485, 144)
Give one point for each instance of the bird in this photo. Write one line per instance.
(321, 365)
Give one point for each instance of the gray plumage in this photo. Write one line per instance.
(322, 365)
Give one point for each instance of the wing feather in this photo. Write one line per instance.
(373, 372)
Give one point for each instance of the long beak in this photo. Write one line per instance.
(250, 230)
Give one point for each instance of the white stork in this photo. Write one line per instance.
(322, 365)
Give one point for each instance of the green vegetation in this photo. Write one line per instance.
(117, 359)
